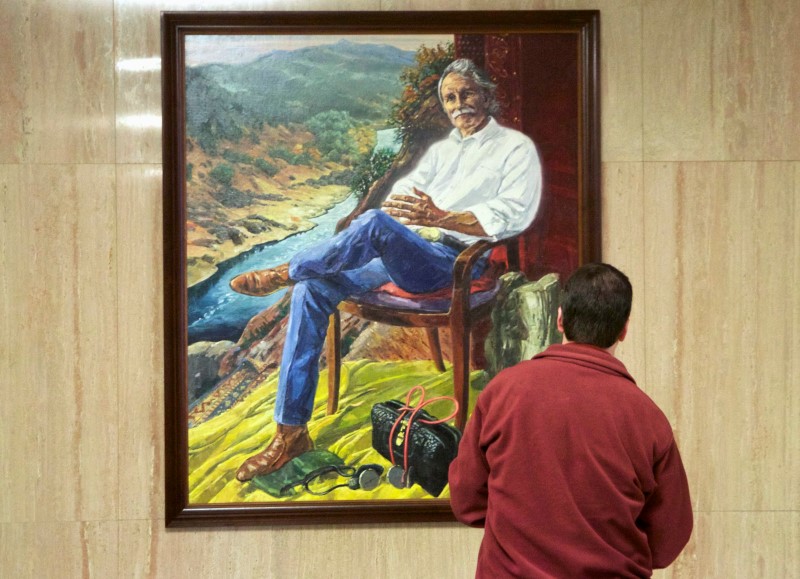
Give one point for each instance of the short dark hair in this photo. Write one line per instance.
(596, 304)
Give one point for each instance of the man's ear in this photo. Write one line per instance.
(560, 321)
(624, 331)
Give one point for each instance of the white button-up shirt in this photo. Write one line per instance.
(495, 174)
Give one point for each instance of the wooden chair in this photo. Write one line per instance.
(460, 311)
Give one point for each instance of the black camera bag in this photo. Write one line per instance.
(431, 448)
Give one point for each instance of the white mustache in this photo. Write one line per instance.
(463, 111)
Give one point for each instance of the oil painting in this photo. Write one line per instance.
(366, 217)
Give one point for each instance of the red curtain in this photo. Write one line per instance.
(537, 88)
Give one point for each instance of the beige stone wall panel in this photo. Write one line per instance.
(18, 351)
(623, 247)
(717, 80)
(69, 115)
(14, 70)
(48, 549)
(732, 544)
(701, 173)
(66, 358)
(621, 79)
(681, 121)
(756, 88)
(719, 355)
(374, 551)
(141, 344)
(137, 37)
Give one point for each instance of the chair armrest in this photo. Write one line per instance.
(462, 272)
(462, 269)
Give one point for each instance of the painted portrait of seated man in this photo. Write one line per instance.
(482, 181)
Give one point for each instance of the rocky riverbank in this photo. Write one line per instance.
(256, 191)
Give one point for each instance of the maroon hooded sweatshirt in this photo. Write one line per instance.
(572, 470)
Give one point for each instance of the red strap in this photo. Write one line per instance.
(414, 410)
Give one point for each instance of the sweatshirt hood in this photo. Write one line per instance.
(587, 356)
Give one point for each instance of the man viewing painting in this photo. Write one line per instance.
(483, 181)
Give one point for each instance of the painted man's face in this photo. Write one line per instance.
(464, 103)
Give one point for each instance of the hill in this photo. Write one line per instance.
(272, 143)
(283, 87)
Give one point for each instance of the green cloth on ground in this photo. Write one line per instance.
(294, 471)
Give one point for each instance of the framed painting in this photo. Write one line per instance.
(366, 216)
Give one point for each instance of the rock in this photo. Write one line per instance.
(524, 320)
(203, 367)
(385, 342)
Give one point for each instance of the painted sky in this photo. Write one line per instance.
(205, 49)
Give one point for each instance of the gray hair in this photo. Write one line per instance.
(466, 68)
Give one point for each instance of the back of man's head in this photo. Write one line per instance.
(596, 305)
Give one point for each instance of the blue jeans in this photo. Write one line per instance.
(374, 250)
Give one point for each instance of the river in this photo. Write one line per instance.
(218, 313)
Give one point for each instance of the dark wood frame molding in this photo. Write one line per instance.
(583, 26)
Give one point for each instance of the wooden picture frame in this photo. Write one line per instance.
(546, 66)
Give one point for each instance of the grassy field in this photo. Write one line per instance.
(217, 447)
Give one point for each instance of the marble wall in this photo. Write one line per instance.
(701, 172)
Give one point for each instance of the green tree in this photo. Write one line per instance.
(332, 135)
(418, 115)
(223, 174)
(267, 167)
(370, 169)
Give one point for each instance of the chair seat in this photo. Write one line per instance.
(483, 291)
(431, 311)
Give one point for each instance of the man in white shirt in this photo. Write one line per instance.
(481, 182)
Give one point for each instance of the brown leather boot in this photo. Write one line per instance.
(262, 282)
(289, 442)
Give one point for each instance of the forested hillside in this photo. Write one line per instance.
(284, 87)
(275, 142)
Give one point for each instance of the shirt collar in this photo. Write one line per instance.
(481, 136)
(588, 356)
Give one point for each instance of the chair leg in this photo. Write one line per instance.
(334, 360)
(459, 334)
(436, 348)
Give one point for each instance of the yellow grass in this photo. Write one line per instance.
(218, 446)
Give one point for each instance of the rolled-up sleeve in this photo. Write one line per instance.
(514, 207)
